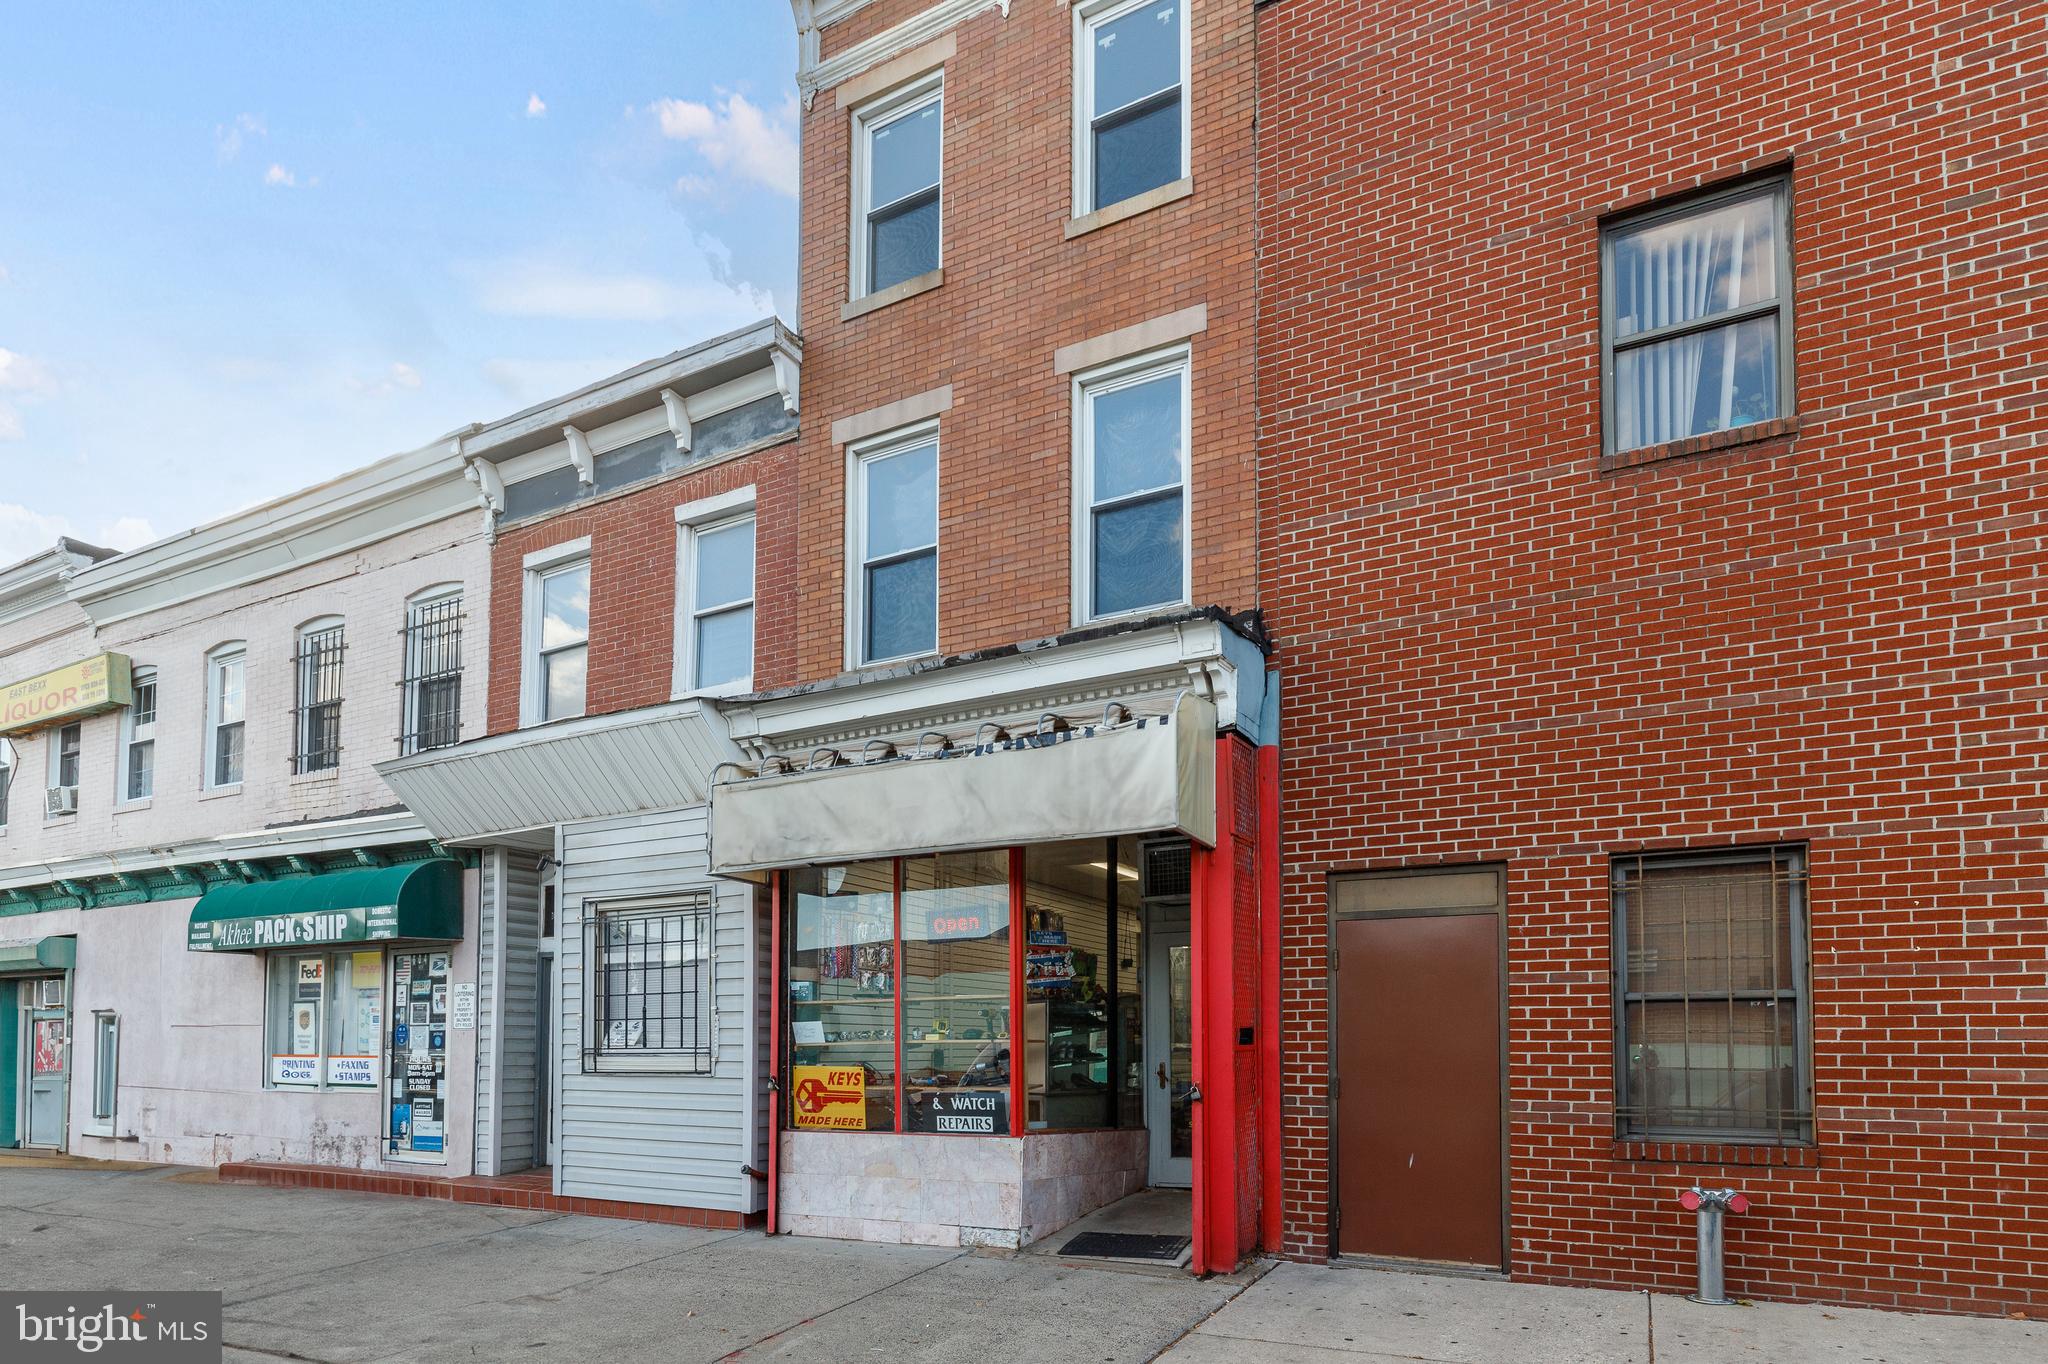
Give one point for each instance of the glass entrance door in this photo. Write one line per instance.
(48, 1044)
(1170, 1056)
(418, 1080)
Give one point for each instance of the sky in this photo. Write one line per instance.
(246, 247)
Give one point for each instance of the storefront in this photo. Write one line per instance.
(35, 1040)
(1016, 971)
(361, 992)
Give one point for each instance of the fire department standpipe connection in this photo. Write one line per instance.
(1712, 1205)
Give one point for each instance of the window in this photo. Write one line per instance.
(1134, 133)
(433, 672)
(106, 1065)
(224, 716)
(719, 635)
(1132, 488)
(558, 632)
(138, 739)
(325, 1015)
(6, 777)
(1711, 996)
(64, 746)
(896, 610)
(650, 984)
(317, 718)
(897, 172)
(1696, 317)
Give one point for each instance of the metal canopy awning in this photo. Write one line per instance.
(420, 900)
(1142, 775)
(596, 767)
(58, 952)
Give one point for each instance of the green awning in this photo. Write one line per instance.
(368, 904)
(54, 953)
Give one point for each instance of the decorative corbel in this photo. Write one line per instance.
(678, 418)
(370, 857)
(300, 864)
(86, 899)
(490, 485)
(253, 871)
(580, 456)
(787, 375)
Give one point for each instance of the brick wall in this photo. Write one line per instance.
(1016, 289)
(633, 541)
(1496, 651)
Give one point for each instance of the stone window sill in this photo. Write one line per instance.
(895, 293)
(1131, 207)
(1756, 433)
(325, 774)
(221, 792)
(1783, 1156)
(129, 807)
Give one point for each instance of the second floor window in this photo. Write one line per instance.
(433, 673)
(318, 716)
(1696, 322)
(224, 716)
(138, 740)
(721, 605)
(6, 777)
(66, 744)
(1133, 479)
(1133, 84)
(900, 150)
(896, 534)
(560, 629)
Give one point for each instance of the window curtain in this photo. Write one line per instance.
(1678, 276)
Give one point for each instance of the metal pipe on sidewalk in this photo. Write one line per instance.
(1712, 1205)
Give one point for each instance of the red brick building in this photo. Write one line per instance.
(1650, 531)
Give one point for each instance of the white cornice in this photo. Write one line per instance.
(815, 73)
(41, 580)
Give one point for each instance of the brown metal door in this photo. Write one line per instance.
(1419, 1101)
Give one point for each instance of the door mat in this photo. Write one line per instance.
(1125, 1245)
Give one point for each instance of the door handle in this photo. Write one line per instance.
(1162, 1074)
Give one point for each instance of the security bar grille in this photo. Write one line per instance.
(432, 683)
(317, 720)
(1712, 1033)
(648, 977)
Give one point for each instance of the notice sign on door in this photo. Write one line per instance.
(829, 1097)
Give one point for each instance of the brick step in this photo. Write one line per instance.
(532, 1190)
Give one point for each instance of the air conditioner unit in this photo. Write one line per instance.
(60, 800)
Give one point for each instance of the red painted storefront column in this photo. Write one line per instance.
(1225, 944)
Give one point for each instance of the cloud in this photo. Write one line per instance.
(399, 376)
(24, 532)
(10, 423)
(25, 377)
(228, 137)
(278, 176)
(737, 138)
(535, 289)
(536, 107)
(5, 278)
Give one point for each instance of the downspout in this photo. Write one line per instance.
(1271, 1220)
(777, 991)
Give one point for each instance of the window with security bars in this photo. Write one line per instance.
(1711, 997)
(318, 717)
(649, 980)
(433, 675)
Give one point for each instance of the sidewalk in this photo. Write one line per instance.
(1305, 1314)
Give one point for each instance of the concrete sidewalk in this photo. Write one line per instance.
(1304, 1314)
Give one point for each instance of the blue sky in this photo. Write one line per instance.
(248, 246)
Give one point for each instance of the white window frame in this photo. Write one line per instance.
(1087, 18)
(53, 756)
(869, 118)
(411, 675)
(106, 1075)
(544, 563)
(134, 730)
(694, 519)
(859, 455)
(1108, 378)
(217, 660)
(10, 768)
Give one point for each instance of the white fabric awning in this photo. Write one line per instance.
(1147, 775)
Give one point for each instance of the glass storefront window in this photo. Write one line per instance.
(324, 1015)
(842, 998)
(956, 993)
(1069, 981)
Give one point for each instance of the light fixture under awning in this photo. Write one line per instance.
(1151, 775)
(414, 900)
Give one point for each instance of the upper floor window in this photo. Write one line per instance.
(433, 672)
(1711, 996)
(138, 739)
(6, 777)
(66, 744)
(317, 717)
(896, 538)
(719, 592)
(898, 150)
(1133, 90)
(1132, 482)
(224, 715)
(557, 630)
(1696, 317)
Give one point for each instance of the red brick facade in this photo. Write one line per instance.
(1496, 650)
